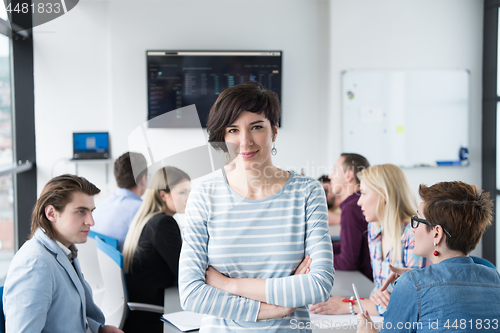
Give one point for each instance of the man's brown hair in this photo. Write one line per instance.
(462, 209)
(252, 97)
(356, 163)
(58, 192)
(124, 169)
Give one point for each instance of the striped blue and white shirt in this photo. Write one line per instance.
(264, 239)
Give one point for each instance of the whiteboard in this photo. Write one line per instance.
(408, 118)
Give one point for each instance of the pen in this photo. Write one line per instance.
(357, 297)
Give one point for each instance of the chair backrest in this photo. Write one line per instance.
(108, 240)
(114, 302)
(87, 256)
(2, 318)
(482, 261)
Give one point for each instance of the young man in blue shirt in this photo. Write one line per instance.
(114, 215)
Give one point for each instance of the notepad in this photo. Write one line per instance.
(184, 320)
(338, 321)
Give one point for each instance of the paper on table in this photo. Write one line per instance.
(338, 321)
(184, 320)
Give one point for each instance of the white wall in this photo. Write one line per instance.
(423, 34)
(90, 72)
(90, 67)
(71, 60)
(298, 28)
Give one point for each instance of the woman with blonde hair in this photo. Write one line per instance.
(153, 245)
(388, 203)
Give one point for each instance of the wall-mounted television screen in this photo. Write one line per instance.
(181, 78)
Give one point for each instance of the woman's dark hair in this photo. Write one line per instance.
(58, 192)
(252, 97)
(324, 179)
(462, 209)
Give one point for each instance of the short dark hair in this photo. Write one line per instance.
(124, 172)
(462, 209)
(324, 179)
(355, 161)
(58, 192)
(252, 97)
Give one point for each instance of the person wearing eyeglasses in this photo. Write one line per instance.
(387, 202)
(454, 293)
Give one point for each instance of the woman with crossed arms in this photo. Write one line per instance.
(254, 224)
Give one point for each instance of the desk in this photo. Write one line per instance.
(341, 287)
(172, 303)
(106, 162)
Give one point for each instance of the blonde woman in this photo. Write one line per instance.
(387, 202)
(153, 245)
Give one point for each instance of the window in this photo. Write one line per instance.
(17, 135)
(491, 124)
(7, 234)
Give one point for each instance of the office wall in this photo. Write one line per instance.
(90, 72)
(90, 68)
(298, 28)
(71, 60)
(424, 34)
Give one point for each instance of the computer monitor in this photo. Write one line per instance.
(181, 78)
(87, 146)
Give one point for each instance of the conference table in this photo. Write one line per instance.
(342, 287)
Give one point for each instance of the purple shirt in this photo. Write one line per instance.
(352, 252)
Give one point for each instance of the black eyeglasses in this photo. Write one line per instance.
(415, 220)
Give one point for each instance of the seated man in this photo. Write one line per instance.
(331, 200)
(45, 290)
(352, 252)
(114, 215)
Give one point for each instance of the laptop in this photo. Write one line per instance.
(90, 146)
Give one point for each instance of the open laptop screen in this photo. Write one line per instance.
(90, 145)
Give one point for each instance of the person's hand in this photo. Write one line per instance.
(381, 297)
(109, 329)
(303, 268)
(396, 272)
(363, 319)
(217, 280)
(333, 306)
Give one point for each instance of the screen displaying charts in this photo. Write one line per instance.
(180, 78)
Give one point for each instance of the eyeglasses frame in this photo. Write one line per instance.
(419, 220)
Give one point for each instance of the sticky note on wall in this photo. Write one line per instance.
(400, 129)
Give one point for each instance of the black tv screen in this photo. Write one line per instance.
(181, 78)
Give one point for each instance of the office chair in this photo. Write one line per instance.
(87, 256)
(114, 303)
(483, 261)
(2, 318)
(107, 239)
